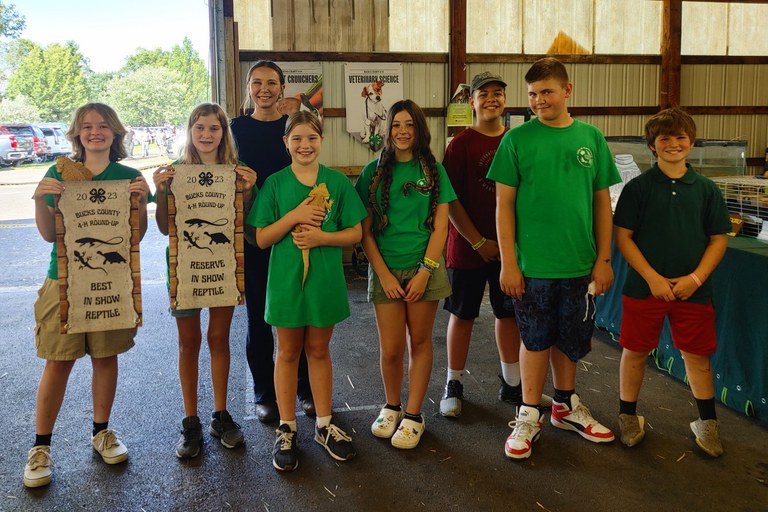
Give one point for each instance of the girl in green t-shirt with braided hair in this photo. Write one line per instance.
(407, 193)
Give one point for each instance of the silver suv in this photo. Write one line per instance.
(57, 140)
(16, 146)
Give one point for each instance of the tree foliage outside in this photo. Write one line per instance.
(150, 96)
(11, 22)
(184, 60)
(153, 88)
(18, 110)
(53, 79)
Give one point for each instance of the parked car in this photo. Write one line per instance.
(39, 146)
(55, 137)
(15, 146)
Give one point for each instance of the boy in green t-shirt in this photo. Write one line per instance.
(671, 226)
(554, 225)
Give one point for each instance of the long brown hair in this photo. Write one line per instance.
(117, 150)
(421, 151)
(226, 153)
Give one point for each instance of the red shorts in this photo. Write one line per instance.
(692, 325)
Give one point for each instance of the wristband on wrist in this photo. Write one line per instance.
(695, 279)
(425, 267)
(430, 263)
(479, 243)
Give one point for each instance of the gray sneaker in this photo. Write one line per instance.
(227, 431)
(191, 438)
(707, 434)
(632, 429)
(450, 404)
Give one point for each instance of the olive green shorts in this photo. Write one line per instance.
(54, 346)
(438, 286)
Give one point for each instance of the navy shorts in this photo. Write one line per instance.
(557, 313)
(468, 286)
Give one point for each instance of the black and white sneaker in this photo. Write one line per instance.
(335, 441)
(285, 452)
(450, 404)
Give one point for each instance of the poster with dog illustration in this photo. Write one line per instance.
(370, 89)
(303, 88)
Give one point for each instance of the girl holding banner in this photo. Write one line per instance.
(209, 141)
(96, 135)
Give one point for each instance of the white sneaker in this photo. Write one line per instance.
(409, 434)
(386, 423)
(111, 449)
(526, 429)
(37, 472)
(579, 420)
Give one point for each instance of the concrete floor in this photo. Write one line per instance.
(459, 465)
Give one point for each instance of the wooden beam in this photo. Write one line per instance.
(457, 46)
(503, 58)
(724, 59)
(252, 55)
(670, 53)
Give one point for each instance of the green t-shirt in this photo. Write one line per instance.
(404, 239)
(556, 172)
(323, 302)
(114, 171)
(671, 221)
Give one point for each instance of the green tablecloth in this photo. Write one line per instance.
(740, 365)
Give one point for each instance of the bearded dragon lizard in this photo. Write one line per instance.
(320, 197)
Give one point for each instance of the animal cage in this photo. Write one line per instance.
(746, 196)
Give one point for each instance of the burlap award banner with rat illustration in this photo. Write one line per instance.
(97, 237)
(205, 224)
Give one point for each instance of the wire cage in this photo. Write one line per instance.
(746, 197)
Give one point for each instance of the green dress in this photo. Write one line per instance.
(323, 301)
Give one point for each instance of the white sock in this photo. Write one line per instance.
(323, 421)
(511, 373)
(291, 424)
(455, 375)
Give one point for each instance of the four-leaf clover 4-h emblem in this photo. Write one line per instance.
(98, 195)
(205, 179)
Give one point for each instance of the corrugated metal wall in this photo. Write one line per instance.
(425, 84)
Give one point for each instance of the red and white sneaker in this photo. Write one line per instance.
(525, 431)
(580, 420)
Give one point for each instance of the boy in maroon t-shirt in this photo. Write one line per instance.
(473, 254)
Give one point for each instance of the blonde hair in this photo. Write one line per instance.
(117, 150)
(226, 153)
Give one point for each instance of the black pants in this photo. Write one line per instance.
(260, 342)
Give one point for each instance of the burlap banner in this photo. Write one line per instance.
(205, 224)
(97, 236)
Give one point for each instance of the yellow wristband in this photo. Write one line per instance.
(479, 243)
(431, 263)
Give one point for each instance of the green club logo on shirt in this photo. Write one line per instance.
(422, 182)
(584, 156)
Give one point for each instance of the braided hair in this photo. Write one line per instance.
(421, 150)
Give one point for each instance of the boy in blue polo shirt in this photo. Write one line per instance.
(671, 226)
